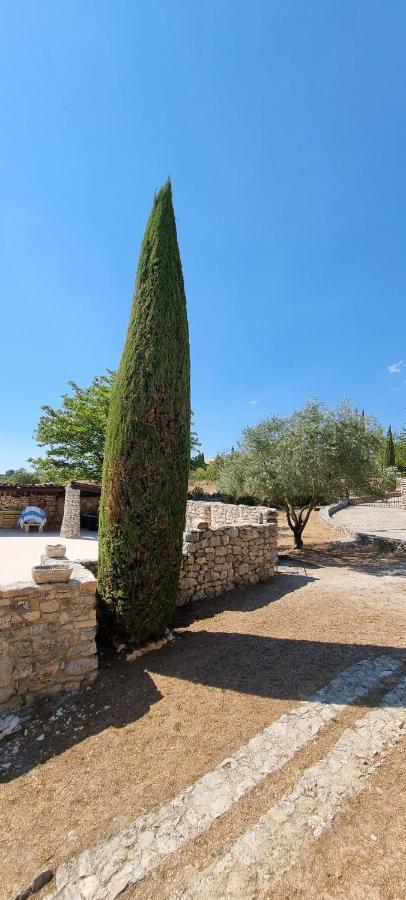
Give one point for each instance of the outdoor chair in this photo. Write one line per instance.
(32, 516)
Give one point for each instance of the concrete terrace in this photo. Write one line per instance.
(376, 519)
(19, 552)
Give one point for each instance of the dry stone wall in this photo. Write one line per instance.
(47, 638)
(219, 559)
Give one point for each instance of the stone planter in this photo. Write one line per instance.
(51, 574)
(55, 551)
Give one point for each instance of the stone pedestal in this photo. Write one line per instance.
(71, 516)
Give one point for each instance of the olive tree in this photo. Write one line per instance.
(315, 455)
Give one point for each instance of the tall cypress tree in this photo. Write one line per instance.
(389, 451)
(145, 473)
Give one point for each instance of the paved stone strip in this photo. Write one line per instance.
(278, 840)
(105, 870)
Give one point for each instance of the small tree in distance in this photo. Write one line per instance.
(315, 455)
(389, 458)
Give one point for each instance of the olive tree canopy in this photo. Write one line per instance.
(315, 455)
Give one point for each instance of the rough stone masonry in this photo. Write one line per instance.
(216, 560)
(47, 638)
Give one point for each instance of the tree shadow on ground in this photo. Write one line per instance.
(123, 693)
(276, 668)
(362, 557)
(250, 664)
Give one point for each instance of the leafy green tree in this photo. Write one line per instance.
(146, 466)
(389, 450)
(197, 462)
(214, 467)
(315, 455)
(194, 445)
(400, 451)
(74, 434)
(210, 471)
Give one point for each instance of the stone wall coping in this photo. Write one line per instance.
(81, 578)
(201, 533)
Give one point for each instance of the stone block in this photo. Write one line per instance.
(23, 668)
(6, 668)
(80, 666)
(49, 606)
(84, 623)
(33, 616)
(6, 621)
(6, 694)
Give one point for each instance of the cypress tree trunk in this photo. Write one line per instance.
(146, 465)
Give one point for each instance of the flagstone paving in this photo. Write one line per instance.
(273, 845)
(106, 870)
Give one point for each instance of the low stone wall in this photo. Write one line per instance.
(219, 559)
(227, 513)
(327, 512)
(50, 498)
(47, 638)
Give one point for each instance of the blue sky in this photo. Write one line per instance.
(283, 127)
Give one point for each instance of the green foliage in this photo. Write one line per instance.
(388, 480)
(214, 467)
(389, 450)
(210, 471)
(74, 434)
(19, 476)
(198, 474)
(194, 442)
(400, 451)
(315, 455)
(147, 451)
(197, 462)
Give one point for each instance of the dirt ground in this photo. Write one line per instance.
(85, 767)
